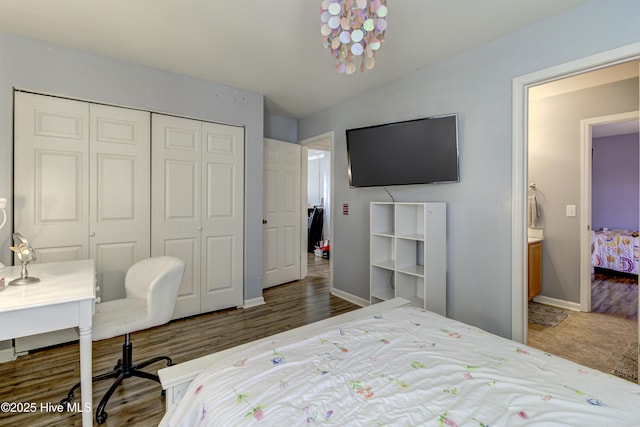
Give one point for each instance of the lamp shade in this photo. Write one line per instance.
(352, 30)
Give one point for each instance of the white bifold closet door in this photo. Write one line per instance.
(198, 209)
(82, 184)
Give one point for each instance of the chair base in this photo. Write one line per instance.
(125, 368)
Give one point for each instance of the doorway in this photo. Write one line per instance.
(520, 168)
(317, 200)
(611, 197)
(521, 86)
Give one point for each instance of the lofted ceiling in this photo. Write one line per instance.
(271, 47)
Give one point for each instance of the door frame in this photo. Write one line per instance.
(306, 144)
(586, 189)
(519, 167)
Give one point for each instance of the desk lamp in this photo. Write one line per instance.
(25, 254)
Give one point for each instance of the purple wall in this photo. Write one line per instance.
(615, 185)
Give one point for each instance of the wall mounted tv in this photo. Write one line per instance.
(421, 151)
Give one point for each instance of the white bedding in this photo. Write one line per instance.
(405, 366)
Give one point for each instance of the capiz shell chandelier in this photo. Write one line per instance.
(352, 29)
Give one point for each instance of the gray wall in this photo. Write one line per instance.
(280, 128)
(615, 183)
(477, 85)
(41, 67)
(554, 165)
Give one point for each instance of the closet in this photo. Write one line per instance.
(198, 209)
(81, 184)
(81, 188)
(119, 185)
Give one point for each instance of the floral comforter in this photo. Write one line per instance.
(615, 250)
(407, 367)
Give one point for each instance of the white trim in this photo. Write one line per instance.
(349, 297)
(7, 355)
(304, 220)
(586, 198)
(253, 302)
(519, 167)
(310, 142)
(567, 305)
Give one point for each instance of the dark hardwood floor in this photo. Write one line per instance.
(45, 376)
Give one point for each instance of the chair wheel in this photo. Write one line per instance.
(101, 418)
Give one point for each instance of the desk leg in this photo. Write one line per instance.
(85, 376)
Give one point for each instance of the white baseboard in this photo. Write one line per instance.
(349, 297)
(253, 302)
(568, 305)
(7, 355)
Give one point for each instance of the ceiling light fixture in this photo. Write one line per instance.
(351, 29)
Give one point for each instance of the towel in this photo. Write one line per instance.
(532, 211)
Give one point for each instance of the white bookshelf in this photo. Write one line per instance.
(408, 253)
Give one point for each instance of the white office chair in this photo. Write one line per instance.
(152, 289)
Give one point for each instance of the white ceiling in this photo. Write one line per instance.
(272, 47)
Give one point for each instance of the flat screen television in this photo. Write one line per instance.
(421, 151)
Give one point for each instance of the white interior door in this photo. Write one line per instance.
(177, 203)
(222, 216)
(51, 161)
(281, 240)
(119, 196)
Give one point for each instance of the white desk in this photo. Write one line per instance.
(64, 298)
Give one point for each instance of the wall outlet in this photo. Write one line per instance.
(571, 210)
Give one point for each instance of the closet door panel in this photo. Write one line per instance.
(120, 225)
(177, 202)
(58, 187)
(60, 253)
(51, 175)
(186, 249)
(181, 188)
(223, 216)
(219, 264)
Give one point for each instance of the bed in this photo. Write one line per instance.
(393, 364)
(615, 250)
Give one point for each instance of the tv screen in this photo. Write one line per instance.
(421, 151)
